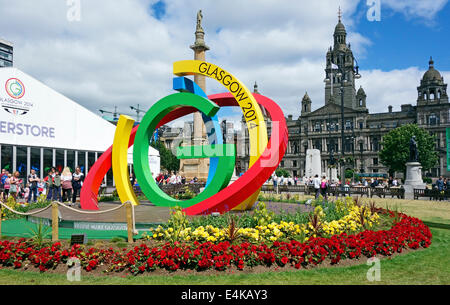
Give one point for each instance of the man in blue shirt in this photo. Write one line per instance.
(440, 184)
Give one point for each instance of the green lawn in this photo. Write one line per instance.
(425, 266)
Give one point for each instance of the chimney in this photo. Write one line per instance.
(290, 117)
(390, 109)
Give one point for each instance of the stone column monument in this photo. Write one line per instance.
(197, 167)
(313, 164)
(413, 171)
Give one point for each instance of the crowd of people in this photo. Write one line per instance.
(442, 184)
(321, 184)
(63, 187)
(373, 182)
(173, 178)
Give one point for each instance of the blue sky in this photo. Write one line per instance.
(281, 47)
(400, 41)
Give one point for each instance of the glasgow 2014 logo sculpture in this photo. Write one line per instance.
(218, 196)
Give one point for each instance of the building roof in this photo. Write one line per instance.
(306, 97)
(361, 91)
(340, 28)
(33, 114)
(6, 42)
(432, 73)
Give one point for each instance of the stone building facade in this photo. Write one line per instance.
(363, 131)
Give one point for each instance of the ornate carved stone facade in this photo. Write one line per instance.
(363, 131)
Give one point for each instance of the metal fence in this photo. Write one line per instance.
(338, 191)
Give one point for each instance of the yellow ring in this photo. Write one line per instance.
(120, 160)
(254, 118)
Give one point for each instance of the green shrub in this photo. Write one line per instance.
(262, 216)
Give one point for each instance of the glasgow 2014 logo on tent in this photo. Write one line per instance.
(13, 103)
(15, 88)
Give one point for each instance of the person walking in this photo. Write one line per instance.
(324, 187)
(66, 185)
(33, 185)
(316, 182)
(77, 183)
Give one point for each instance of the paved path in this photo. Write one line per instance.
(149, 213)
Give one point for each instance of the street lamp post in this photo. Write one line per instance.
(340, 67)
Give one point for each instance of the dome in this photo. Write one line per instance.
(432, 73)
(340, 28)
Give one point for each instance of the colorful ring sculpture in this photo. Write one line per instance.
(217, 196)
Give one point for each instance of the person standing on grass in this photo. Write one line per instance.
(316, 182)
(77, 183)
(66, 184)
(33, 186)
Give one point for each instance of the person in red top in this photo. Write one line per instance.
(160, 178)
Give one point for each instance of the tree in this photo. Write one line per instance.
(281, 172)
(167, 159)
(395, 152)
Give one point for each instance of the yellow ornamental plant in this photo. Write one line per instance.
(358, 218)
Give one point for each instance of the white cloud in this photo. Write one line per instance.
(118, 54)
(424, 9)
(396, 87)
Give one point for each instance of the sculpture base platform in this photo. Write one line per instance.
(413, 179)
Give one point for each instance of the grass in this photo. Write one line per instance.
(426, 266)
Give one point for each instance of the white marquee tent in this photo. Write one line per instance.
(35, 117)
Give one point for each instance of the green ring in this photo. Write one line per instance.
(141, 147)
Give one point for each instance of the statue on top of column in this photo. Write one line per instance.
(199, 20)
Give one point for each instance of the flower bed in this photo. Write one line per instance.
(354, 218)
(406, 233)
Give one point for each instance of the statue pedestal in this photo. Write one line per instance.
(413, 179)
